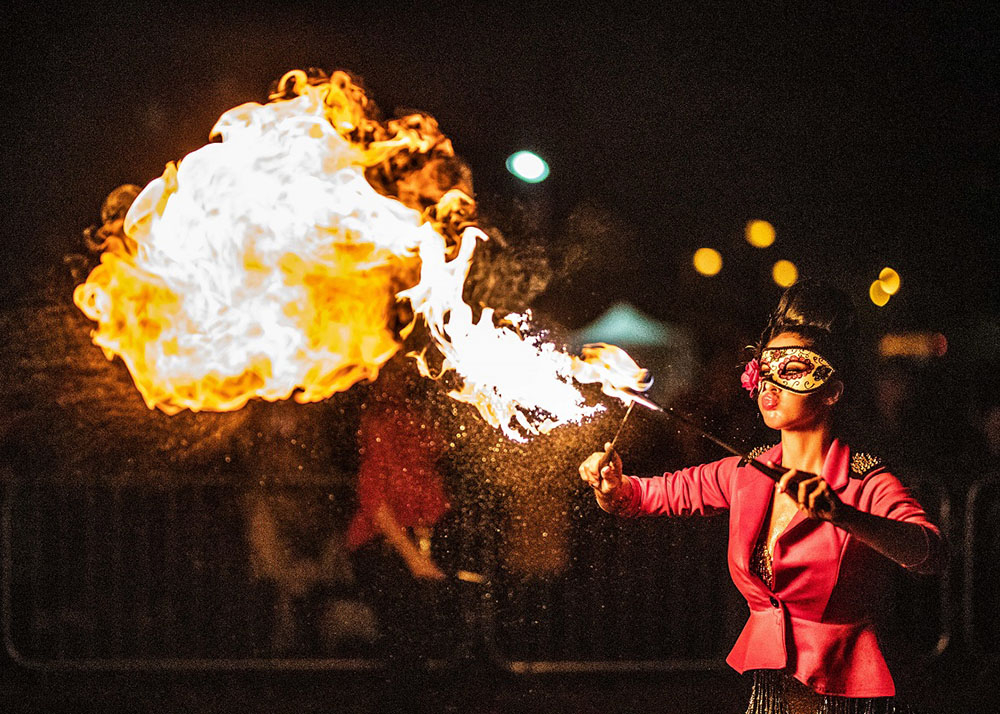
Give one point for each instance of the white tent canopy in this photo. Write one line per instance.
(667, 350)
(623, 324)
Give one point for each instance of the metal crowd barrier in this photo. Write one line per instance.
(981, 566)
(99, 576)
(137, 578)
(922, 618)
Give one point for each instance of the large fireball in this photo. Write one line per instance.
(266, 265)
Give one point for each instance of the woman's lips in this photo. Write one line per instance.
(769, 400)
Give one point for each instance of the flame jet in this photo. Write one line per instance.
(268, 265)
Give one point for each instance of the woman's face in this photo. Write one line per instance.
(789, 411)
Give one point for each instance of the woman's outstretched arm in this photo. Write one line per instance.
(696, 490)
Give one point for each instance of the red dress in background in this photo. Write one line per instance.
(398, 467)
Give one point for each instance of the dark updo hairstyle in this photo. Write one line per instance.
(822, 314)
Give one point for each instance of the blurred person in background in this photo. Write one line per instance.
(982, 452)
(400, 496)
(295, 520)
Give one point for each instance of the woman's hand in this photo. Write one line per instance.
(602, 471)
(812, 495)
(605, 477)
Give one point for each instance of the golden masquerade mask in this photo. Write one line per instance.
(796, 369)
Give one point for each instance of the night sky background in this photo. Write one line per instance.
(866, 135)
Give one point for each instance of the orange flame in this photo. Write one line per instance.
(266, 265)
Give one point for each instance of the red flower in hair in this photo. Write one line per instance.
(751, 376)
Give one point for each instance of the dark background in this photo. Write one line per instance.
(866, 134)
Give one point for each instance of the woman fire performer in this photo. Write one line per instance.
(809, 552)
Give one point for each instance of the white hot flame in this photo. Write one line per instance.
(266, 266)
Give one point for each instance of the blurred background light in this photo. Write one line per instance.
(785, 273)
(707, 261)
(914, 345)
(528, 166)
(878, 294)
(760, 234)
(889, 279)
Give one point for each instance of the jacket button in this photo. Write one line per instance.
(774, 602)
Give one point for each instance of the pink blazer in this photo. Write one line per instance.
(817, 622)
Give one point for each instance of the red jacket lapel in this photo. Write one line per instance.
(755, 492)
(836, 466)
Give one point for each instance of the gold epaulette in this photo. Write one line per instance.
(862, 464)
(759, 450)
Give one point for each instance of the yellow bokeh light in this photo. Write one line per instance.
(785, 273)
(878, 294)
(889, 279)
(760, 234)
(707, 261)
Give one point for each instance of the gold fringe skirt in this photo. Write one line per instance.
(775, 692)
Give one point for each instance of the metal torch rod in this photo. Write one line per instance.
(614, 442)
(774, 473)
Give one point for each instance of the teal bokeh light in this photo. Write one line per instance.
(528, 166)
